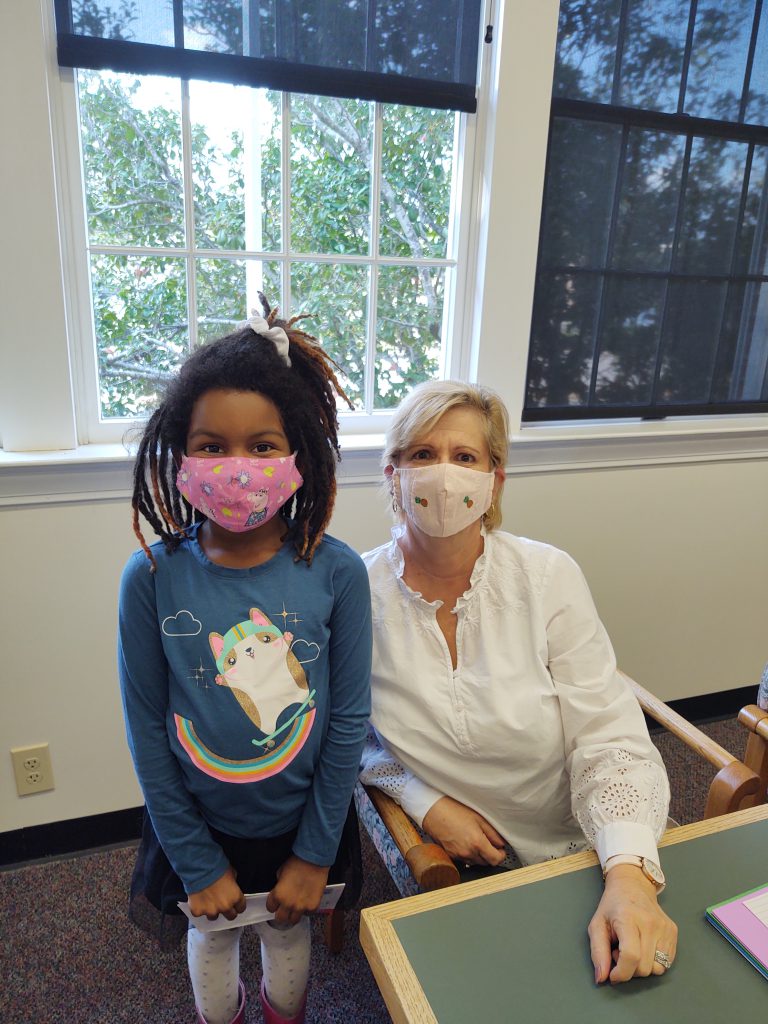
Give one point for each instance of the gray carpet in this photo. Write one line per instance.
(690, 775)
(70, 956)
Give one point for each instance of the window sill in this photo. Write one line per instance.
(102, 472)
(96, 472)
(556, 447)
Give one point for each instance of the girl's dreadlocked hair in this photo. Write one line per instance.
(304, 396)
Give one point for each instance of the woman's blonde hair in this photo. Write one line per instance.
(419, 412)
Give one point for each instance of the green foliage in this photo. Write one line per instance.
(133, 165)
(408, 330)
(417, 146)
(140, 310)
(330, 175)
(337, 296)
(330, 189)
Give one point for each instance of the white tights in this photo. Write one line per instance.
(214, 967)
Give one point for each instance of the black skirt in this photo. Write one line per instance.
(156, 889)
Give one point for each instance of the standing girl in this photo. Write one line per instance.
(244, 657)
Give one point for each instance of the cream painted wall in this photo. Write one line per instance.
(675, 555)
(57, 635)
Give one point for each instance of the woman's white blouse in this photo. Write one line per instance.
(534, 729)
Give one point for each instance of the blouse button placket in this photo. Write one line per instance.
(460, 713)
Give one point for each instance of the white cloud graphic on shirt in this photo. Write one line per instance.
(183, 623)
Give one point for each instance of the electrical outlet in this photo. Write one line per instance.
(32, 768)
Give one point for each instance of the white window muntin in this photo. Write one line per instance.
(92, 426)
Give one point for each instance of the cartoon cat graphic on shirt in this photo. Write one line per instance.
(255, 661)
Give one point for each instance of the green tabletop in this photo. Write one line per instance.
(522, 956)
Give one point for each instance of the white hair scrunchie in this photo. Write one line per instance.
(275, 334)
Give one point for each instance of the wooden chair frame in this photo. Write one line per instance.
(735, 785)
(756, 755)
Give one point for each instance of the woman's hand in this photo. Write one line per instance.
(628, 927)
(224, 896)
(463, 833)
(298, 891)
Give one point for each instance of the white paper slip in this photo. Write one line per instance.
(759, 907)
(256, 910)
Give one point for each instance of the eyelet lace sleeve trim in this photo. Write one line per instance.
(378, 768)
(618, 786)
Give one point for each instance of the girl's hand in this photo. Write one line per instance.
(298, 891)
(630, 919)
(463, 833)
(224, 896)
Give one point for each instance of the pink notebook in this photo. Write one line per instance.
(744, 922)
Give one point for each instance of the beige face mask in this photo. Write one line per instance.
(445, 498)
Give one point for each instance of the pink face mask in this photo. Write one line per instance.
(238, 493)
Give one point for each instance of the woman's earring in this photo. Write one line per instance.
(395, 506)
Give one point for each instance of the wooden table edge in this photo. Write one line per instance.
(406, 1002)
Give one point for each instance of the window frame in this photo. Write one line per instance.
(92, 428)
(687, 128)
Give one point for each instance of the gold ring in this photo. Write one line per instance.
(663, 959)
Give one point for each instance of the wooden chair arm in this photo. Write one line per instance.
(734, 785)
(430, 865)
(694, 738)
(756, 754)
(755, 719)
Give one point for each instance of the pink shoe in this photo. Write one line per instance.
(239, 1017)
(271, 1017)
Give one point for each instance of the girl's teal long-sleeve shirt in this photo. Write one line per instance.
(246, 695)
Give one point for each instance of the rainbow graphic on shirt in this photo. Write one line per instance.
(253, 769)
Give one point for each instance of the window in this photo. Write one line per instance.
(652, 282)
(200, 194)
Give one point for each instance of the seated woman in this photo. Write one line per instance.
(499, 721)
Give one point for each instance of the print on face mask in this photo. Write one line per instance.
(444, 499)
(255, 662)
(258, 503)
(238, 493)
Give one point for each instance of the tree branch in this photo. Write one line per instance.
(410, 235)
(103, 210)
(125, 369)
